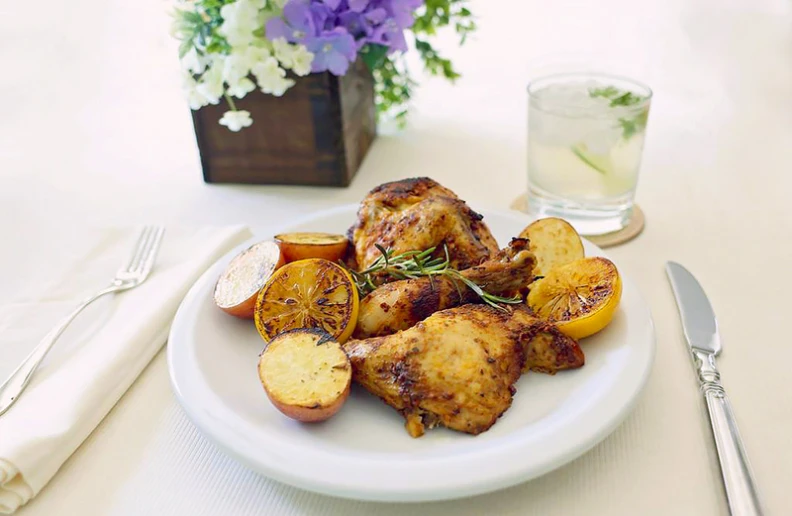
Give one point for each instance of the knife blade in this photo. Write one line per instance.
(701, 332)
(698, 317)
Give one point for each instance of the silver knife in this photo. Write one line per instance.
(701, 332)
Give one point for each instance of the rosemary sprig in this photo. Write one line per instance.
(419, 264)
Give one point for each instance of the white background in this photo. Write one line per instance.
(94, 131)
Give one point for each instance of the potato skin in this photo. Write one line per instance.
(301, 246)
(244, 310)
(313, 414)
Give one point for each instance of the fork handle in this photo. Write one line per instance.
(738, 481)
(16, 383)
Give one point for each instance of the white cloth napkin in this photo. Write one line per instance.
(100, 355)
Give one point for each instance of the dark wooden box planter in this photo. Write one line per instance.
(317, 133)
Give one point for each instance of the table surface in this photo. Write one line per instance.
(95, 132)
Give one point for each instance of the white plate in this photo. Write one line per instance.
(364, 452)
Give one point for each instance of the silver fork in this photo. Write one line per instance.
(132, 274)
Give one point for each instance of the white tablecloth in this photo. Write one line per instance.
(94, 131)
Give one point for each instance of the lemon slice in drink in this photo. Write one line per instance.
(598, 162)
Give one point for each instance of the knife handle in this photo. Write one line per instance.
(738, 482)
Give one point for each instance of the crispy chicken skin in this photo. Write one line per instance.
(402, 304)
(416, 214)
(458, 367)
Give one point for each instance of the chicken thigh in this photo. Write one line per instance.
(458, 367)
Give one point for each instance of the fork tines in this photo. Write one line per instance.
(145, 250)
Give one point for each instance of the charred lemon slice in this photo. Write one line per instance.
(313, 293)
(580, 297)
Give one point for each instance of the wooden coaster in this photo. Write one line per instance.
(632, 230)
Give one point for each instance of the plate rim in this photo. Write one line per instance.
(224, 438)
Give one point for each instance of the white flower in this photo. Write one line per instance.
(194, 98)
(282, 51)
(236, 120)
(236, 66)
(240, 19)
(256, 54)
(301, 60)
(235, 71)
(295, 57)
(211, 85)
(271, 77)
(193, 62)
(241, 88)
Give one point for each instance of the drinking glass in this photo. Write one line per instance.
(586, 135)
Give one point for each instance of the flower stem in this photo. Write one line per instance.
(230, 101)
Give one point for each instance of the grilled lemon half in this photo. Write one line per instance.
(314, 293)
(580, 297)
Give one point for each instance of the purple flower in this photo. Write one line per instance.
(389, 35)
(335, 30)
(332, 4)
(358, 6)
(376, 15)
(296, 24)
(401, 11)
(357, 25)
(323, 16)
(333, 50)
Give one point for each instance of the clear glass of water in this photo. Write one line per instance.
(585, 140)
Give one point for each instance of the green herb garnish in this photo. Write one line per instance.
(607, 92)
(629, 126)
(418, 264)
(617, 97)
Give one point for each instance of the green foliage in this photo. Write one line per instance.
(373, 55)
(392, 88)
(393, 81)
(199, 26)
(436, 14)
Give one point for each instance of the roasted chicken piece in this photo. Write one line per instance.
(458, 367)
(417, 214)
(402, 304)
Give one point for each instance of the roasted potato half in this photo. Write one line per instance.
(554, 242)
(239, 284)
(306, 374)
(300, 246)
